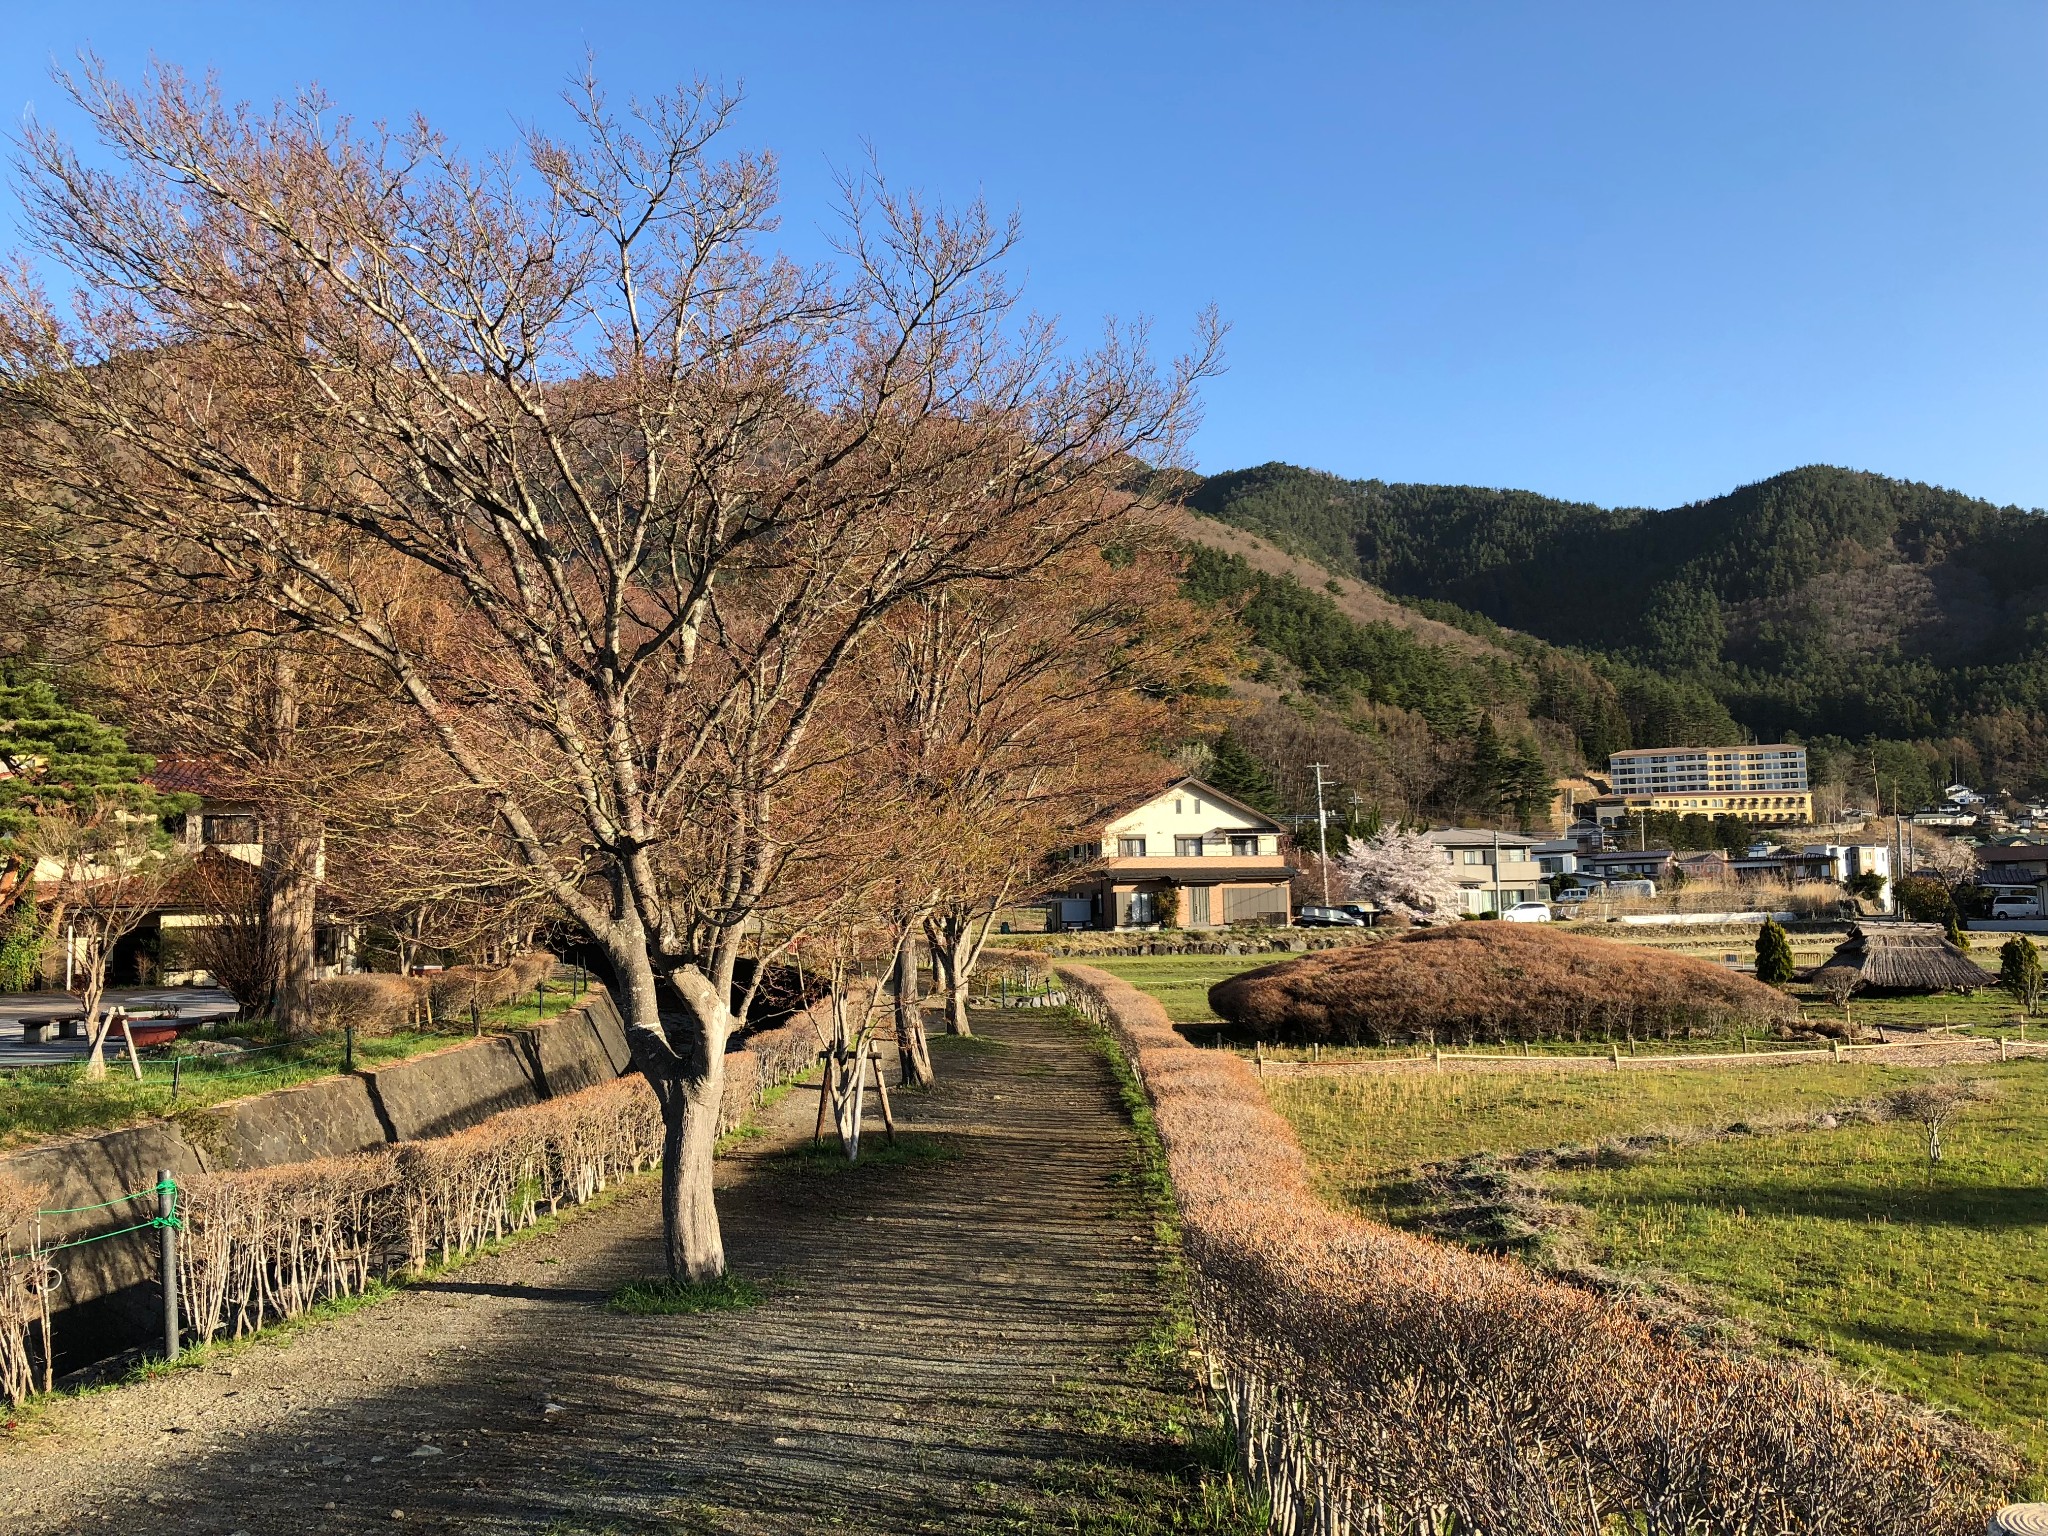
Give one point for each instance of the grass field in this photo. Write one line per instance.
(37, 1103)
(1843, 1240)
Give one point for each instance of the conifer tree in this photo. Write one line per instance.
(2019, 971)
(1773, 955)
(1238, 774)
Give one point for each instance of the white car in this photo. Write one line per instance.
(1526, 912)
(1574, 895)
(2015, 906)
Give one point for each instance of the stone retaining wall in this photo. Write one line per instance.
(109, 1289)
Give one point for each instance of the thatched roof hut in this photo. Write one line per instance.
(1907, 957)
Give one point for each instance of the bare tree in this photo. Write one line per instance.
(1934, 1104)
(112, 876)
(614, 495)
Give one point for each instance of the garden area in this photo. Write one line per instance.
(230, 1061)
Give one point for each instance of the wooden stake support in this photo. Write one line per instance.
(882, 1088)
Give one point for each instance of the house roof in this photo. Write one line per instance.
(197, 775)
(1188, 781)
(1761, 746)
(1478, 837)
(1907, 957)
(2015, 851)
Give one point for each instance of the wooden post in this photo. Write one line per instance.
(127, 1034)
(882, 1088)
(167, 1256)
(2001, 1048)
(1835, 1047)
(824, 1095)
(1614, 1051)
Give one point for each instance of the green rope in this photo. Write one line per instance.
(107, 1205)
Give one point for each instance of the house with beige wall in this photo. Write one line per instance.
(1213, 858)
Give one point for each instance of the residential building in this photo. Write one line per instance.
(2012, 861)
(1494, 869)
(1559, 856)
(1708, 866)
(1220, 858)
(1629, 864)
(1757, 783)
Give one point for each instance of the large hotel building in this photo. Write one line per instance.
(1757, 783)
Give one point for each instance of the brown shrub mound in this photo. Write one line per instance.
(1492, 981)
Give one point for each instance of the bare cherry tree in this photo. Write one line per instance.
(613, 493)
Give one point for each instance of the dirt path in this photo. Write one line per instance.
(945, 1343)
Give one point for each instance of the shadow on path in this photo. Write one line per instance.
(941, 1345)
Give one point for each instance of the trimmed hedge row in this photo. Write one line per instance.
(1381, 1383)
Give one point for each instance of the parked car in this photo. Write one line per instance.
(2015, 904)
(1526, 912)
(1574, 895)
(1365, 915)
(1327, 917)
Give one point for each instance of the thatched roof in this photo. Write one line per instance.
(1907, 957)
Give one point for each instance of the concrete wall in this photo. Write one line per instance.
(109, 1290)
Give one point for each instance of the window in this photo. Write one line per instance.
(1475, 855)
(1176, 807)
(1187, 847)
(1244, 846)
(229, 829)
(1130, 847)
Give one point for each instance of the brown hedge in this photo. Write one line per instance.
(1377, 1382)
(1495, 982)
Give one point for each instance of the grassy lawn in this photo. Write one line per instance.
(1180, 982)
(1927, 1281)
(37, 1103)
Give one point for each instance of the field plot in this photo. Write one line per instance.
(1843, 1239)
(1181, 982)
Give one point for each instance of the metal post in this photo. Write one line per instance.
(1322, 831)
(540, 1003)
(167, 1256)
(177, 1069)
(348, 1047)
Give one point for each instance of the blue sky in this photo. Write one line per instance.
(1635, 254)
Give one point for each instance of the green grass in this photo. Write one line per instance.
(1180, 982)
(38, 1103)
(1842, 1241)
(685, 1298)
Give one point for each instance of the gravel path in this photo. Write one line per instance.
(945, 1343)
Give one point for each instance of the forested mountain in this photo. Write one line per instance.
(1900, 629)
(1416, 717)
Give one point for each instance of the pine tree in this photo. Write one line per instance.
(1956, 936)
(1773, 955)
(56, 760)
(1238, 774)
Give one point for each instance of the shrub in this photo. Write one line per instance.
(1491, 981)
(1375, 1381)
(372, 1002)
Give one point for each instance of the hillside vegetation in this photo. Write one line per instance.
(1901, 629)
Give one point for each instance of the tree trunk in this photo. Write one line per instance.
(291, 865)
(689, 1141)
(910, 1041)
(684, 1061)
(946, 970)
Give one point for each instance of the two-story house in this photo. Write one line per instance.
(1189, 852)
(1494, 869)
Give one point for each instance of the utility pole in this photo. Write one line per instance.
(1322, 830)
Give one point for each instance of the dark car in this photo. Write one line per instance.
(1365, 915)
(1327, 917)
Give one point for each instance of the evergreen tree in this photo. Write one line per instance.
(1238, 774)
(21, 950)
(1773, 955)
(2019, 971)
(1956, 936)
(56, 760)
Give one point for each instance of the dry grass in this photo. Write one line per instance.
(1494, 982)
(1382, 1382)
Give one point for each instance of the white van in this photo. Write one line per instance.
(2015, 904)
